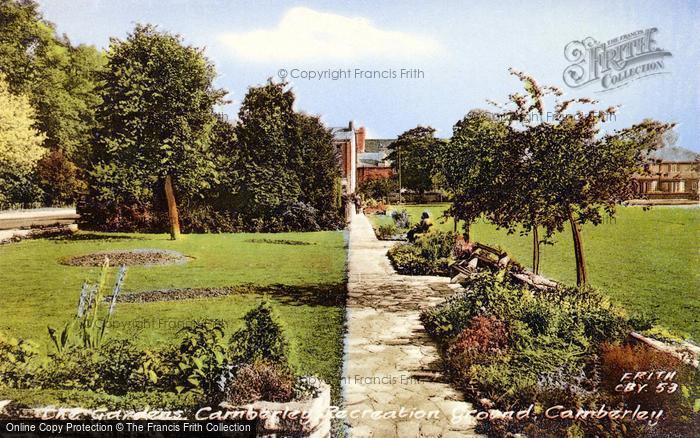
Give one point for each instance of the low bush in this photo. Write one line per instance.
(204, 364)
(546, 332)
(386, 231)
(261, 380)
(430, 254)
(262, 338)
(297, 217)
(436, 245)
(559, 347)
(202, 357)
(401, 218)
(18, 361)
(484, 293)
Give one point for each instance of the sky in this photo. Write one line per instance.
(455, 55)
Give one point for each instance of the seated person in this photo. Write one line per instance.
(421, 227)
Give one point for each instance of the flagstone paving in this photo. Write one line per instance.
(392, 368)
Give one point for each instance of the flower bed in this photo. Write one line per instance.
(135, 257)
(511, 347)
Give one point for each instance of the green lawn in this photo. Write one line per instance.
(36, 290)
(647, 261)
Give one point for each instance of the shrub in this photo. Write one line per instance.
(118, 360)
(387, 231)
(401, 218)
(18, 361)
(72, 368)
(484, 338)
(262, 338)
(156, 369)
(297, 216)
(551, 334)
(485, 293)
(377, 188)
(406, 259)
(202, 357)
(428, 255)
(261, 380)
(59, 179)
(484, 335)
(436, 245)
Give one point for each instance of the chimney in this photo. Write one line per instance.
(360, 139)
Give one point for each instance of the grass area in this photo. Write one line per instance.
(36, 290)
(647, 261)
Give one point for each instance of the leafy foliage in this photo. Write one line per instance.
(430, 254)
(18, 361)
(60, 179)
(401, 218)
(155, 120)
(202, 357)
(57, 77)
(386, 231)
(378, 188)
(281, 151)
(528, 167)
(261, 380)
(413, 156)
(539, 334)
(20, 146)
(262, 338)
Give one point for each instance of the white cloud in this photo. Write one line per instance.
(307, 35)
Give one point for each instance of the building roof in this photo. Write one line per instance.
(378, 144)
(372, 159)
(675, 154)
(342, 133)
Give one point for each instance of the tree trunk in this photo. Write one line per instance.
(467, 236)
(172, 209)
(535, 250)
(581, 274)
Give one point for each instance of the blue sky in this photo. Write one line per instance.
(463, 48)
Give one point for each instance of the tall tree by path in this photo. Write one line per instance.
(155, 121)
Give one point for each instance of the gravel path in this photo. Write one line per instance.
(390, 362)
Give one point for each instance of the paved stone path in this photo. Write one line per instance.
(390, 362)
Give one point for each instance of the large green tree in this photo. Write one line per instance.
(287, 159)
(20, 146)
(155, 121)
(319, 171)
(266, 134)
(58, 78)
(412, 156)
(471, 164)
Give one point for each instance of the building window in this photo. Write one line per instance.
(673, 167)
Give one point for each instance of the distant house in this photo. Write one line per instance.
(672, 174)
(360, 158)
(372, 162)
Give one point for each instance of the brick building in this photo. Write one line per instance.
(360, 158)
